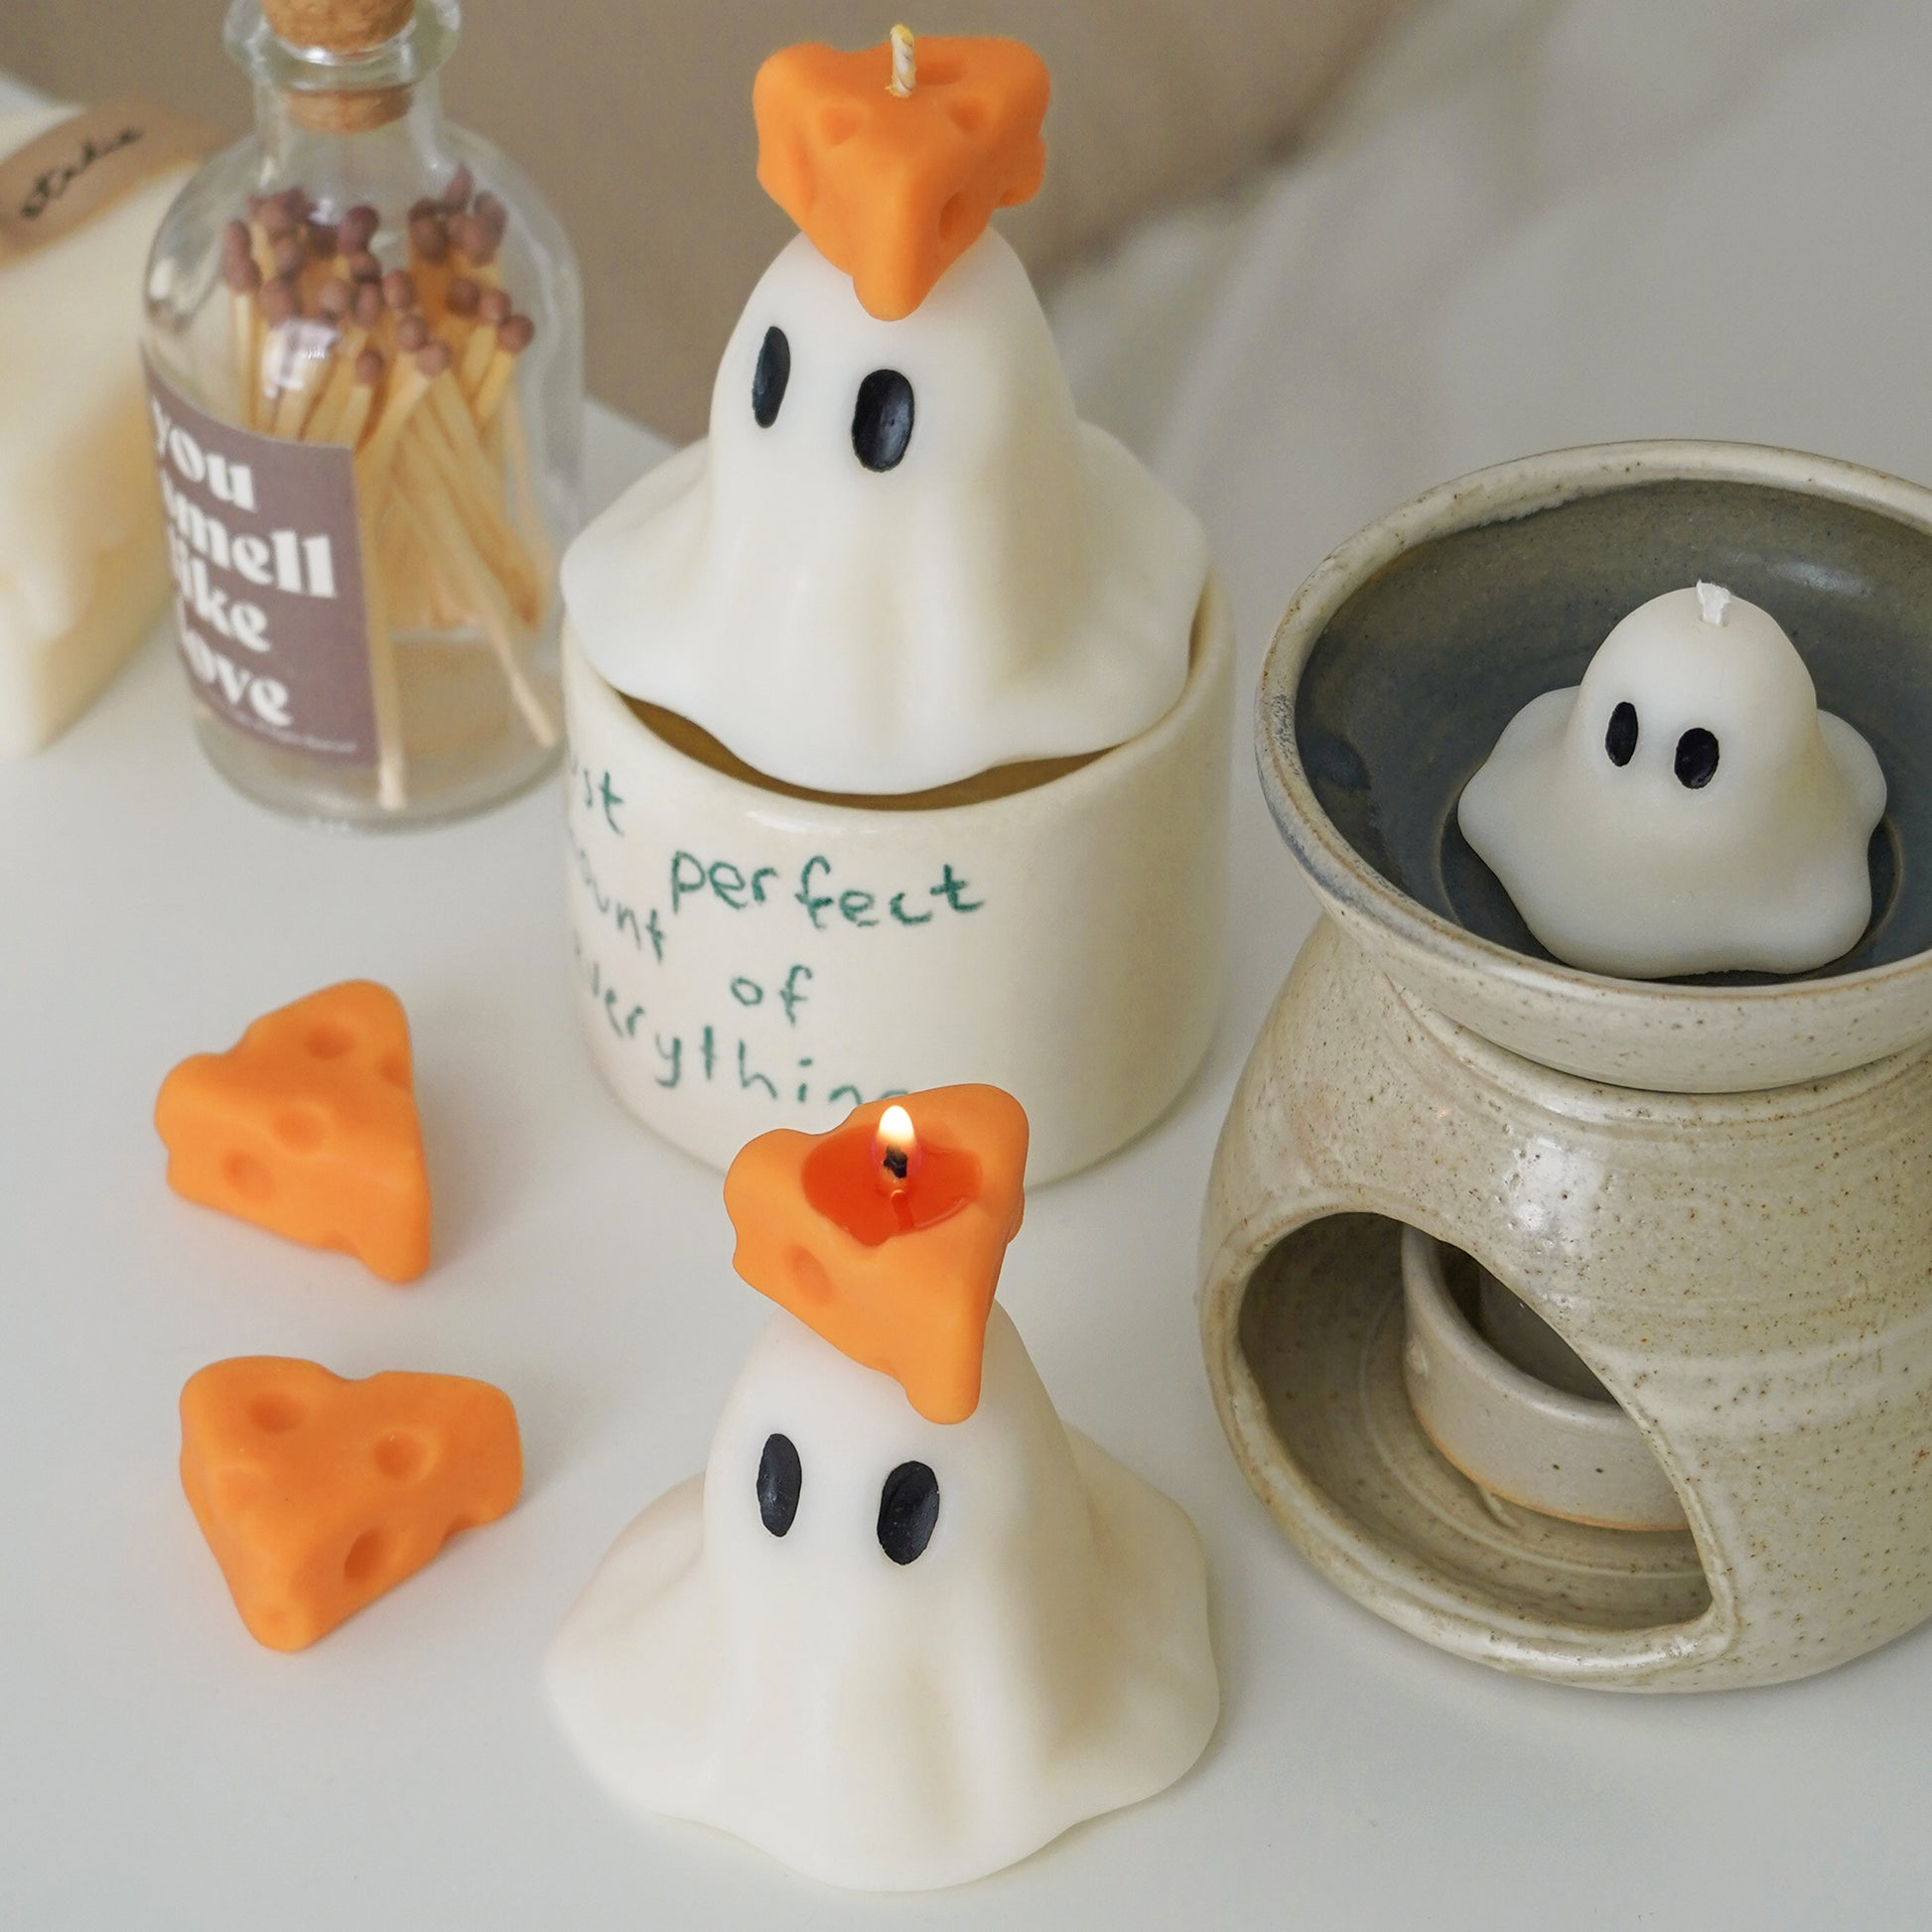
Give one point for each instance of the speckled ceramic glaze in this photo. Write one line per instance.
(1718, 1194)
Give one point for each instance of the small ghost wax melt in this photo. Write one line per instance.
(907, 1626)
(898, 560)
(82, 568)
(1687, 809)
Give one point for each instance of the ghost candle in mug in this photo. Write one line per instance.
(903, 675)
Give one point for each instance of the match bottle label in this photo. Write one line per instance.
(267, 561)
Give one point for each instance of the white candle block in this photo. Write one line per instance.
(1687, 809)
(82, 570)
(894, 1653)
(898, 559)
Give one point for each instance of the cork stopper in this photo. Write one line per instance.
(338, 26)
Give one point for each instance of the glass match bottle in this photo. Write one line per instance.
(364, 355)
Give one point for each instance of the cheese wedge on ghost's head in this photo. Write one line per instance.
(308, 1127)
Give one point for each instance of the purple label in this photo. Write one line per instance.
(267, 560)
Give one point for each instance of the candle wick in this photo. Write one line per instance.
(905, 71)
(897, 1163)
(1713, 602)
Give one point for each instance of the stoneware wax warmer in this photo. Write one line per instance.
(897, 705)
(1707, 1202)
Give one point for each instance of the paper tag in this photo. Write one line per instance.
(85, 164)
(267, 559)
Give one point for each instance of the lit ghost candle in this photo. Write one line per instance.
(907, 1626)
(898, 559)
(1687, 809)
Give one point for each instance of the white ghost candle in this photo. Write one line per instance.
(906, 1628)
(1687, 809)
(898, 559)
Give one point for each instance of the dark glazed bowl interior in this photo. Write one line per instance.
(1413, 678)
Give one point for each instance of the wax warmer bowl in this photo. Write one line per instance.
(1716, 1192)
(751, 957)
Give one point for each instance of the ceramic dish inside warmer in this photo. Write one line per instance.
(1505, 1399)
(1408, 651)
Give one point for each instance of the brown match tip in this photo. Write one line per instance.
(278, 303)
(241, 274)
(457, 189)
(234, 239)
(369, 368)
(364, 267)
(275, 219)
(412, 331)
(323, 239)
(358, 227)
(462, 295)
(368, 305)
(493, 306)
(399, 289)
(475, 236)
(492, 213)
(334, 298)
(515, 334)
(433, 360)
(288, 255)
(428, 237)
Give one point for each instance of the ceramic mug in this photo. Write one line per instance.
(750, 956)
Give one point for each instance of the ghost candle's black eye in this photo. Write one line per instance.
(779, 1480)
(881, 420)
(909, 1507)
(1620, 740)
(1697, 758)
(768, 379)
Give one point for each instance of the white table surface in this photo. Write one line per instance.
(158, 1770)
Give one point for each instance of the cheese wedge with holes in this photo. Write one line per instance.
(318, 1494)
(309, 1128)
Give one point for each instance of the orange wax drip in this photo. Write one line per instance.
(898, 1277)
(894, 188)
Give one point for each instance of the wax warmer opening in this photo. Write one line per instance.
(1322, 1333)
(1413, 680)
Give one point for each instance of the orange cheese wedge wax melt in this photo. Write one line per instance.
(307, 1128)
(318, 1494)
(894, 188)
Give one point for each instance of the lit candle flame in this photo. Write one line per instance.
(905, 71)
(897, 1148)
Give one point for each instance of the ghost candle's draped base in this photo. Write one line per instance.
(951, 1643)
